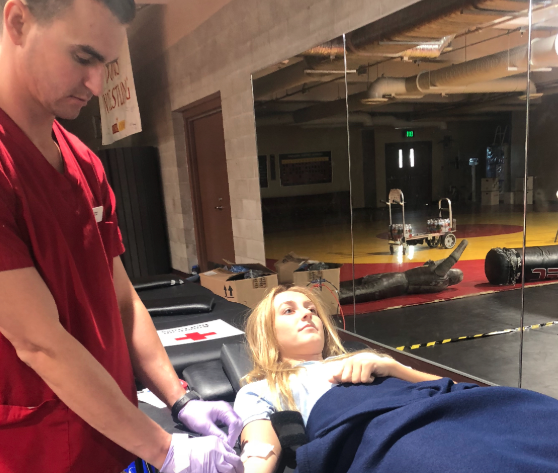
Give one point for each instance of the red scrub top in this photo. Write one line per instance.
(47, 221)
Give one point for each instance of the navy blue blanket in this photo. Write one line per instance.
(394, 426)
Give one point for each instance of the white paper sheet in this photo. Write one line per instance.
(149, 398)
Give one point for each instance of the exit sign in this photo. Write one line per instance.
(408, 134)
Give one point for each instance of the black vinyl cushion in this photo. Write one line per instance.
(198, 304)
(209, 380)
(192, 353)
(236, 362)
(291, 432)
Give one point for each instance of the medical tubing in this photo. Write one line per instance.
(318, 283)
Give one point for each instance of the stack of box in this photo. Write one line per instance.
(490, 191)
(235, 288)
(518, 197)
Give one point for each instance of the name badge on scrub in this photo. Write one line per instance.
(98, 211)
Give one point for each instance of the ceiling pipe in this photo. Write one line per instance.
(288, 77)
(468, 108)
(544, 53)
(369, 121)
(327, 109)
(398, 87)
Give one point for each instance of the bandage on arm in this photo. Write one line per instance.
(254, 438)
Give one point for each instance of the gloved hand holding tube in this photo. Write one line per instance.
(202, 416)
(200, 455)
(213, 453)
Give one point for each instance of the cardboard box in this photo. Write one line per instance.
(235, 288)
(518, 197)
(489, 184)
(508, 198)
(289, 271)
(490, 198)
(519, 184)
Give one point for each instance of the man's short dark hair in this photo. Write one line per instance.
(46, 10)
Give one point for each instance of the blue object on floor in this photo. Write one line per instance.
(131, 468)
(145, 468)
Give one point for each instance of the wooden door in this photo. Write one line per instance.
(209, 183)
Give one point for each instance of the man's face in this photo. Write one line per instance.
(62, 63)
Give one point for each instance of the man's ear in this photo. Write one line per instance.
(17, 19)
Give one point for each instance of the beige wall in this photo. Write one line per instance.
(283, 140)
(176, 63)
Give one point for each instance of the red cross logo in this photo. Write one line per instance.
(196, 336)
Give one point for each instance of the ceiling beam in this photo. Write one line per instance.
(329, 109)
(470, 107)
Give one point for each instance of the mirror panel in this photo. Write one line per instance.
(437, 111)
(537, 190)
(304, 170)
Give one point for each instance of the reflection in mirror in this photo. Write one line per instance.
(437, 112)
(304, 170)
(541, 203)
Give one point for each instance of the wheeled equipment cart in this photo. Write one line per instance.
(439, 232)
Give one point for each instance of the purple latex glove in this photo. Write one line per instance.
(201, 416)
(200, 455)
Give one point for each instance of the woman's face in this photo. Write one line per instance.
(298, 328)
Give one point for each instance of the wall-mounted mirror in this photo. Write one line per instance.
(541, 204)
(304, 170)
(437, 109)
(409, 134)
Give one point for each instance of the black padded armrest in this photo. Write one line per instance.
(236, 362)
(184, 305)
(209, 380)
(291, 432)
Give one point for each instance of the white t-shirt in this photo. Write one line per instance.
(255, 401)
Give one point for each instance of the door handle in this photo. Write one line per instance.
(219, 208)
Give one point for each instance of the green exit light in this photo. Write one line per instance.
(409, 133)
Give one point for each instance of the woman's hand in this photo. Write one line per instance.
(360, 368)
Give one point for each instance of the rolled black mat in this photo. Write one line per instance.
(156, 282)
(502, 266)
(183, 305)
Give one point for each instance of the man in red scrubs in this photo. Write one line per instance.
(72, 329)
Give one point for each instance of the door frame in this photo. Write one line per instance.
(199, 109)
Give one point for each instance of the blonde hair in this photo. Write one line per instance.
(264, 347)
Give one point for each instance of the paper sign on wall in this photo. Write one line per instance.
(197, 333)
(120, 116)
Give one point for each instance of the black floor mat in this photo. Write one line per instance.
(496, 358)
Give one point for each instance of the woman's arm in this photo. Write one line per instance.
(364, 366)
(260, 431)
(408, 374)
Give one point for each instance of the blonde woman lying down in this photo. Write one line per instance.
(403, 420)
(297, 358)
